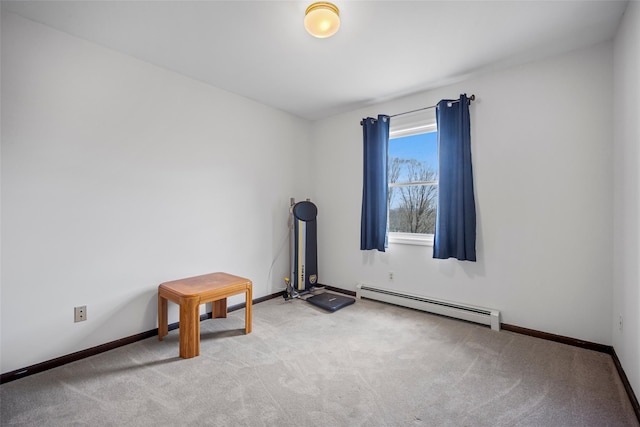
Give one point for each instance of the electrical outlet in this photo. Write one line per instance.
(620, 323)
(80, 313)
(391, 276)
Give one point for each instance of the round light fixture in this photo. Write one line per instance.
(322, 19)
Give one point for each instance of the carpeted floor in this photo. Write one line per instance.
(369, 364)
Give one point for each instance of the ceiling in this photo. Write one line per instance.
(383, 50)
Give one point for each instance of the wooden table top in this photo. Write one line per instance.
(197, 285)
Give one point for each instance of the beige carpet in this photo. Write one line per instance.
(369, 364)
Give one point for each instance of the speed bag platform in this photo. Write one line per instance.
(305, 246)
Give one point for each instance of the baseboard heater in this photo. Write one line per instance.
(484, 316)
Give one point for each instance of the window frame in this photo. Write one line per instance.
(416, 124)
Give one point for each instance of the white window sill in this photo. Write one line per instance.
(411, 239)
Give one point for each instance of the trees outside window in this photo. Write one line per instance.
(412, 206)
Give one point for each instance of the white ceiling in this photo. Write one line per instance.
(383, 50)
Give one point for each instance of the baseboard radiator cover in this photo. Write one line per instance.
(481, 315)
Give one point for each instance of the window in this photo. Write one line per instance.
(413, 178)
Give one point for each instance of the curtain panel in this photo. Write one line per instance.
(375, 190)
(455, 233)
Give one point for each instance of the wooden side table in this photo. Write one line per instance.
(189, 294)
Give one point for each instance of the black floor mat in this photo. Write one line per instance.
(331, 302)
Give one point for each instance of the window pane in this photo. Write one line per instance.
(422, 148)
(412, 209)
(413, 160)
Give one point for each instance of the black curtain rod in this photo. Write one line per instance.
(471, 98)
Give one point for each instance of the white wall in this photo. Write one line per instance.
(117, 176)
(626, 277)
(542, 157)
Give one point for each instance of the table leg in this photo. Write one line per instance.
(248, 310)
(219, 308)
(163, 322)
(189, 328)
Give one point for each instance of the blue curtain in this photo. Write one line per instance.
(373, 228)
(455, 234)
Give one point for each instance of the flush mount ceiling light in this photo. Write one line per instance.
(322, 19)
